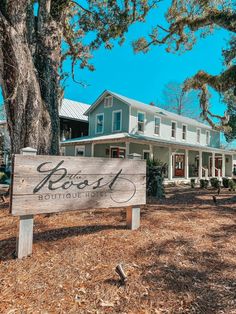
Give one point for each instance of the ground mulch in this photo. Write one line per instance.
(181, 260)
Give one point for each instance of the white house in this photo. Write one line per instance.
(120, 126)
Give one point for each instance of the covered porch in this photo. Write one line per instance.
(182, 161)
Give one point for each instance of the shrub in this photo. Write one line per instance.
(225, 182)
(193, 183)
(204, 183)
(3, 177)
(232, 185)
(215, 183)
(155, 178)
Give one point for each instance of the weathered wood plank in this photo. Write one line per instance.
(133, 218)
(25, 238)
(47, 184)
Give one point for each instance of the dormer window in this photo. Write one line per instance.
(108, 102)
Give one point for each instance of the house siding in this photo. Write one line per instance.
(117, 105)
(165, 130)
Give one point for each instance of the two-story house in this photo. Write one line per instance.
(120, 126)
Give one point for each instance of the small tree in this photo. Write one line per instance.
(180, 102)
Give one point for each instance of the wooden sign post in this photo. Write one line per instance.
(49, 184)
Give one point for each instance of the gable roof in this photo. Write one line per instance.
(73, 110)
(148, 108)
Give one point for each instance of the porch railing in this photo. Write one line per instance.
(205, 172)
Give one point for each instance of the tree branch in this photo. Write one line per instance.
(220, 83)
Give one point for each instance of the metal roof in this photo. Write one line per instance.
(148, 108)
(73, 110)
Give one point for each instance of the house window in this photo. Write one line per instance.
(80, 151)
(198, 135)
(108, 102)
(146, 155)
(157, 123)
(116, 121)
(173, 129)
(99, 123)
(141, 120)
(184, 132)
(207, 137)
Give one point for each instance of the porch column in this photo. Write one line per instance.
(170, 166)
(223, 165)
(92, 150)
(200, 165)
(151, 151)
(186, 167)
(127, 149)
(213, 166)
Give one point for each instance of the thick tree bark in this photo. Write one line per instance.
(30, 60)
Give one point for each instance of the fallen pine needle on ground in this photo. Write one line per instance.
(181, 260)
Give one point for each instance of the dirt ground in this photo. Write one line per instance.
(181, 260)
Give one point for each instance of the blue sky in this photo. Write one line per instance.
(143, 76)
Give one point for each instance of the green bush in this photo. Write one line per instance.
(204, 183)
(155, 178)
(193, 183)
(3, 177)
(225, 182)
(215, 183)
(232, 185)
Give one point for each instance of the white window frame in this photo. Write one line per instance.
(175, 129)
(99, 114)
(186, 131)
(144, 121)
(198, 130)
(208, 137)
(146, 151)
(113, 115)
(159, 126)
(82, 148)
(106, 102)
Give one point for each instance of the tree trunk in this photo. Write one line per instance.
(29, 78)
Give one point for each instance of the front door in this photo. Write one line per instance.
(179, 161)
(117, 152)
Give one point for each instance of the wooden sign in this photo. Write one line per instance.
(48, 184)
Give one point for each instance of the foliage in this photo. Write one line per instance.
(225, 182)
(193, 183)
(155, 178)
(232, 185)
(188, 20)
(215, 183)
(204, 183)
(3, 177)
(36, 37)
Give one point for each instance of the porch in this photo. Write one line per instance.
(183, 161)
